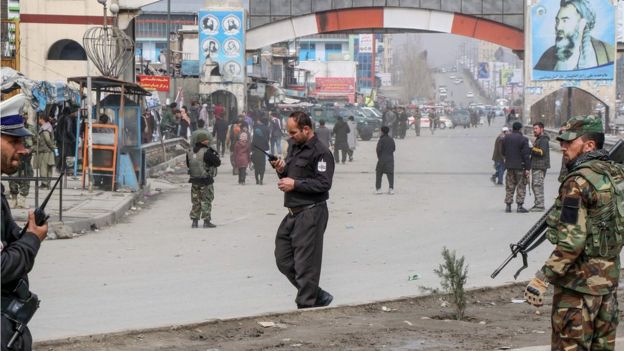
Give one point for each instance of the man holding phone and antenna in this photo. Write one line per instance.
(305, 177)
(19, 246)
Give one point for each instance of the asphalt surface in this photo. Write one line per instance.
(153, 270)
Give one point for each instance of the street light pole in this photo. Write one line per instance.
(168, 63)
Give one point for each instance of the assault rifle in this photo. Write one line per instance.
(271, 157)
(23, 307)
(537, 234)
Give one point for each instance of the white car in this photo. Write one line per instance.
(470, 94)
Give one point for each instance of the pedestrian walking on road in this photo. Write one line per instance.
(417, 118)
(518, 163)
(242, 157)
(540, 162)
(44, 155)
(276, 134)
(586, 229)
(351, 137)
(385, 160)
(340, 131)
(220, 131)
(389, 119)
(261, 141)
(323, 134)
(305, 178)
(18, 249)
(498, 158)
(202, 162)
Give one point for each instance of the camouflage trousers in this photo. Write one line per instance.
(583, 322)
(22, 187)
(515, 182)
(201, 198)
(537, 184)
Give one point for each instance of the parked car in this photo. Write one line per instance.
(445, 122)
(461, 117)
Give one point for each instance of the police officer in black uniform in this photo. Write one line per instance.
(18, 251)
(305, 178)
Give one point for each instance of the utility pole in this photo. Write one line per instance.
(168, 63)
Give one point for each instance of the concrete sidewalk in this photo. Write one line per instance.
(82, 210)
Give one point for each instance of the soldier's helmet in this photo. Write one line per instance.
(579, 125)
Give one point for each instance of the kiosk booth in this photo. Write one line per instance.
(117, 155)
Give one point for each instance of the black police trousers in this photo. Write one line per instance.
(23, 342)
(299, 251)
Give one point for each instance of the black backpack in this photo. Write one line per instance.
(212, 158)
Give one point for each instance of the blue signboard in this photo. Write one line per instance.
(484, 70)
(575, 41)
(222, 40)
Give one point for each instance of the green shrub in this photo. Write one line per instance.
(454, 275)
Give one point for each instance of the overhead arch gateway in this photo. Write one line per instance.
(390, 19)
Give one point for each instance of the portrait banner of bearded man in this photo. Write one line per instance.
(584, 34)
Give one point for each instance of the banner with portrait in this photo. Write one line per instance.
(222, 40)
(573, 40)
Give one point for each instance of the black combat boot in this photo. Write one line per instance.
(194, 224)
(207, 224)
(508, 208)
(521, 209)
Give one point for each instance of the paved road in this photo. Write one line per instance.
(154, 270)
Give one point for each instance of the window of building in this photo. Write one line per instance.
(67, 49)
(307, 51)
(332, 51)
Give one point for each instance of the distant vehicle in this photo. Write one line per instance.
(452, 76)
(470, 94)
(445, 122)
(443, 70)
(461, 117)
(372, 112)
(458, 81)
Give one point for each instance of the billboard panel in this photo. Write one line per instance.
(484, 70)
(366, 43)
(222, 40)
(573, 42)
(335, 85)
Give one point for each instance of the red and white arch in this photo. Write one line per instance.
(358, 19)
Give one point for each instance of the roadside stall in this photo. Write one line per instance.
(40, 97)
(118, 161)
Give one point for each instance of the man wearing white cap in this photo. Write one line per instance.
(18, 248)
(498, 158)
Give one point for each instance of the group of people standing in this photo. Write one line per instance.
(514, 154)
(396, 119)
(48, 146)
(344, 142)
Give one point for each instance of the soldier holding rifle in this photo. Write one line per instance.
(586, 228)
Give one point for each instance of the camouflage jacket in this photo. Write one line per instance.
(575, 264)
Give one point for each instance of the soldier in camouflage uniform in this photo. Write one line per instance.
(540, 162)
(516, 151)
(19, 189)
(202, 170)
(586, 226)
